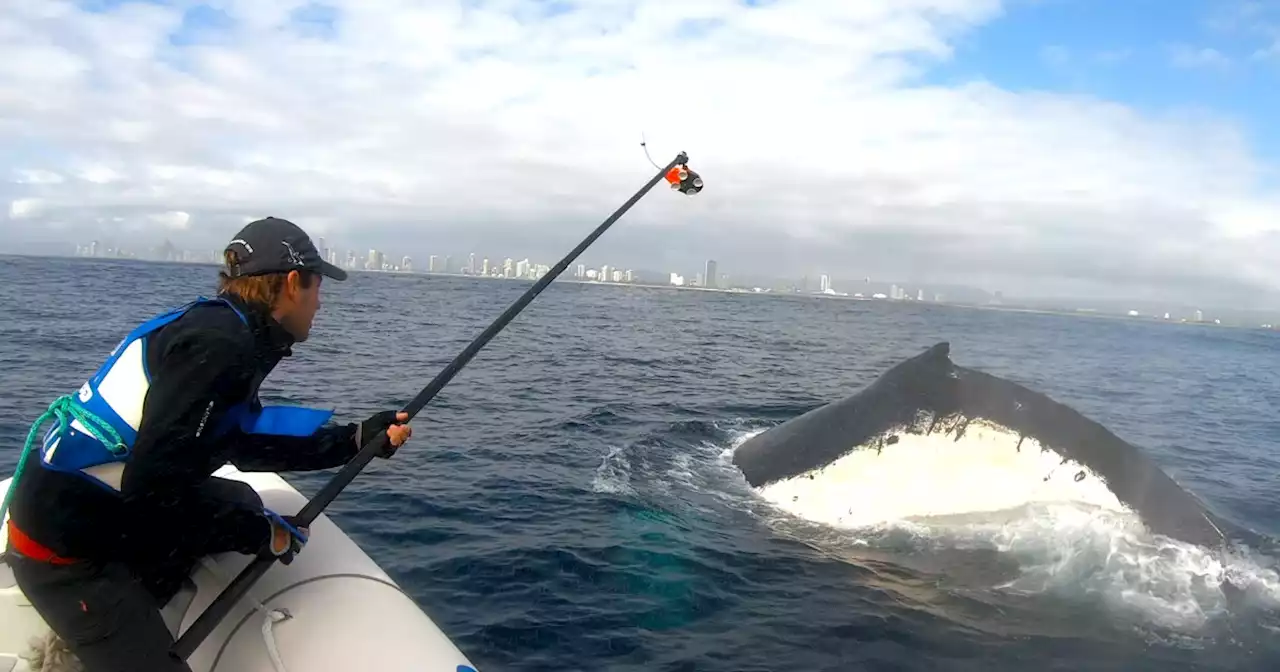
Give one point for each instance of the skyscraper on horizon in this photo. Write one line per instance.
(709, 276)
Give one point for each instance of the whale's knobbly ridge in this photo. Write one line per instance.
(930, 438)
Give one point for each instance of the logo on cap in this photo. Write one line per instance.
(247, 246)
(293, 254)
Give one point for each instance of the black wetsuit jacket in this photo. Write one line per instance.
(201, 364)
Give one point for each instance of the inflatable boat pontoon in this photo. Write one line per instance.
(331, 610)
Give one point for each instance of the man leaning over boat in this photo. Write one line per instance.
(111, 511)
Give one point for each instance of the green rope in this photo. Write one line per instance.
(64, 409)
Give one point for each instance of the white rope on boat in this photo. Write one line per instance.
(269, 638)
(271, 616)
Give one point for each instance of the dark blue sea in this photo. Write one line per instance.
(567, 502)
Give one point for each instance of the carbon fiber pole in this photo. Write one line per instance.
(221, 606)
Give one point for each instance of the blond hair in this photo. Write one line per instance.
(260, 289)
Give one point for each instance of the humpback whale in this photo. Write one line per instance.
(990, 442)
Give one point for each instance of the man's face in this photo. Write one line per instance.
(299, 305)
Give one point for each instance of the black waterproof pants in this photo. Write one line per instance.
(107, 617)
(109, 613)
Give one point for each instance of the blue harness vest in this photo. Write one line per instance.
(97, 438)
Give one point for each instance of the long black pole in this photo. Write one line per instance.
(221, 606)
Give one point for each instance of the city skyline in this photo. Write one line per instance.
(827, 284)
(475, 264)
(374, 259)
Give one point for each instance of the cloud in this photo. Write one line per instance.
(23, 208)
(1252, 24)
(1269, 53)
(1184, 56)
(36, 176)
(511, 128)
(175, 220)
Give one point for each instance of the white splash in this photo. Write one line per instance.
(932, 475)
(739, 437)
(613, 476)
(1065, 548)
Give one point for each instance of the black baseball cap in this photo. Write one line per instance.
(275, 245)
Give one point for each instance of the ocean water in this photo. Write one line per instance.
(567, 502)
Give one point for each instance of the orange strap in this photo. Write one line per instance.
(30, 548)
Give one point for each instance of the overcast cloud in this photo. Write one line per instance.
(512, 128)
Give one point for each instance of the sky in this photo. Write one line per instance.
(1036, 147)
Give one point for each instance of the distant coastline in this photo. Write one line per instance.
(1010, 307)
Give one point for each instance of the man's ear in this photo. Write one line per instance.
(292, 285)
